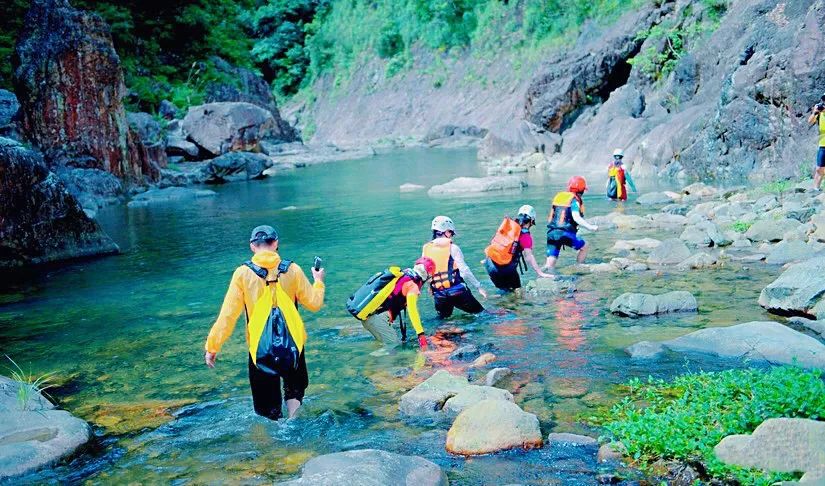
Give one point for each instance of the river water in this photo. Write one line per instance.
(125, 334)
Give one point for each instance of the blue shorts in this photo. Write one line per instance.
(556, 240)
(820, 157)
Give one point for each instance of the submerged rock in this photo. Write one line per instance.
(699, 260)
(556, 439)
(758, 341)
(636, 305)
(496, 375)
(409, 187)
(491, 426)
(645, 350)
(154, 196)
(235, 166)
(797, 290)
(544, 287)
(369, 467)
(474, 185)
(779, 445)
(40, 221)
(34, 435)
(656, 198)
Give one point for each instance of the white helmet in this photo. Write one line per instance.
(443, 224)
(528, 211)
(618, 153)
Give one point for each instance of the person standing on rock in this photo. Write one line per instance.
(449, 282)
(566, 215)
(618, 178)
(511, 246)
(817, 117)
(268, 288)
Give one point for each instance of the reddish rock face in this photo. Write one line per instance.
(69, 82)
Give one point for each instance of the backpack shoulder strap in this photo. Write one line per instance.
(283, 267)
(259, 271)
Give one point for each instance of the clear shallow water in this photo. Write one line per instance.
(126, 333)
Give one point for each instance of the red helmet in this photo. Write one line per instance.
(428, 263)
(577, 184)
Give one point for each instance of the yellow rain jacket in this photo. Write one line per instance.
(245, 289)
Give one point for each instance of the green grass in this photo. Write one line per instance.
(30, 384)
(740, 226)
(685, 418)
(777, 187)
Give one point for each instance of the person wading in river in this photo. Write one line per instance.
(512, 245)
(448, 282)
(566, 215)
(268, 288)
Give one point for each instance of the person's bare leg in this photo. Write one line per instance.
(550, 264)
(582, 255)
(292, 406)
(818, 173)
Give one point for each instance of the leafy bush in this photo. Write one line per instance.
(777, 187)
(740, 226)
(685, 418)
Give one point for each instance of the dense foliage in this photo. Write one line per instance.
(685, 418)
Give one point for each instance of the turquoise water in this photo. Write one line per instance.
(125, 334)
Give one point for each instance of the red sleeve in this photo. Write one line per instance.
(525, 241)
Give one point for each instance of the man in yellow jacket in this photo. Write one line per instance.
(248, 284)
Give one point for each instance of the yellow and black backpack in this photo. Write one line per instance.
(374, 296)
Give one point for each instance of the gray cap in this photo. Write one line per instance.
(262, 233)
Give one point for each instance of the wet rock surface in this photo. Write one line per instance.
(369, 467)
(636, 305)
(491, 426)
(474, 185)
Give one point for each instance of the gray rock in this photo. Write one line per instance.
(10, 400)
(169, 194)
(557, 439)
(637, 305)
(680, 209)
(491, 426)
(791, 251)
(40, 221)
(33, 440)
(93, 188)
(225, 127)
(765, 204)
(465, 353)
(146, 127)
(699, 260)
(545, 287)
(178, 146)
(167, 110)
(235, 166)
(611, 452)
(759, 341)
(369, 467)
(410, 187)
(797, 290)
(644, 244)
(778, 445)
(654, 198)
(9, 107)
(443, 395)
(645, 350)
(815, 326)
(475, 185)
(496, 375)
(670, 252)
(770, 230)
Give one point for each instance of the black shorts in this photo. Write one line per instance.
(820, 157)
(456, 297)
(266, 388)
(504, 277)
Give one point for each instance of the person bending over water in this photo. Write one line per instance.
(390, 292)
(566, 215)
(268, 288)
(451, 271)
(512, 245)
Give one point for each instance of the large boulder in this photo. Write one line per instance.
(443, 396)
(792, 251)
(492, 426)
(9, 107)
(33, 434)
(474, 185)
(219, 128)
(758, 341)
(797, 290)
(151, 136)
(770, 230)
(670, 252)
(69, 81)
(235, 166)
(40, 221)
(778, 445)
(248, 87)
(369, 467)
(93, 188)
(637, 305)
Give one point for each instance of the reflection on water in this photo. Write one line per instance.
(126, 333)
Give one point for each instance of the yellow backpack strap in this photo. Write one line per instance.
(294, 322)
(260, 313)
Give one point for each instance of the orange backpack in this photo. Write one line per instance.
(504, 243)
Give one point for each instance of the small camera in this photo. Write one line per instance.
(821, 105)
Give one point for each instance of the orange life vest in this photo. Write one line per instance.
(504, 243)
(445, 275)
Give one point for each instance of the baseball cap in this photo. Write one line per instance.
(262, 233)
